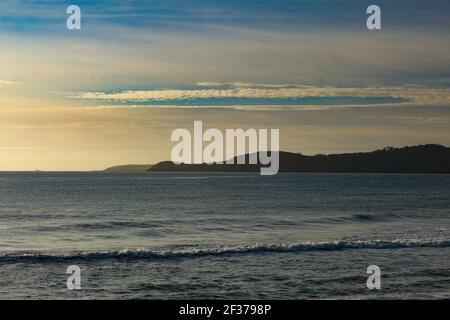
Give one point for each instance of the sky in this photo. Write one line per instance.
(112, 92)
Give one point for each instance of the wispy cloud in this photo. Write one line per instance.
(240, 95)
(6, 83)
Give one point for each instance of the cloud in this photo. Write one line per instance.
(6, 83)
(266, 95)
(243, 85)
(108, 57)
(23, 148)
(232, 107)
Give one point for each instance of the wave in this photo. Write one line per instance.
(236, 250)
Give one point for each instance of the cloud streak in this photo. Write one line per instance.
(253, 94)
(6, 83)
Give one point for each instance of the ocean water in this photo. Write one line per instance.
(224, 236)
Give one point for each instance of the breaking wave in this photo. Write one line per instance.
(225, 251)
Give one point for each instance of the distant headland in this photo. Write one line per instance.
(430, 158)
(129, 168)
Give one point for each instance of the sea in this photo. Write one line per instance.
(224, 235)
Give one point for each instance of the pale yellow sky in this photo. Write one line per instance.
(57, 137)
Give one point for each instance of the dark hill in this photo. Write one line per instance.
(429, 158)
